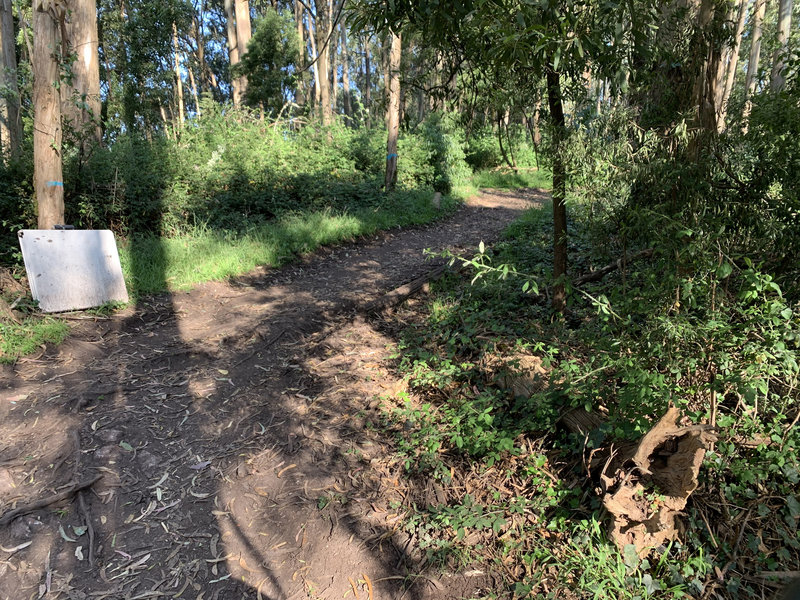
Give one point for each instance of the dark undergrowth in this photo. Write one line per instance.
(709, 323)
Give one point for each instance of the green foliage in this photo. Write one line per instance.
(445, 141)
(710, 323)
(152, 263)
(229, 172)
(19, 339)
(483, 148)
(271, 61)
(509, 179)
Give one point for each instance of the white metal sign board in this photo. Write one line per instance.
(72, 269)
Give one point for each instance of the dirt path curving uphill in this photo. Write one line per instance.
(233, 426)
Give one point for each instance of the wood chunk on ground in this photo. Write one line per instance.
(646, 495)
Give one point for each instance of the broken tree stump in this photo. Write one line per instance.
(647, 492)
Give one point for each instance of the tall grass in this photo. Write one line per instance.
(153, 264)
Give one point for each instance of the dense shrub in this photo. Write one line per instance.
(483, 150)
(230, 171)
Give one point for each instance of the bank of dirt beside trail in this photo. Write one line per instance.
(234, 427)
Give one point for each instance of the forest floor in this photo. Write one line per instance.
(235, 430)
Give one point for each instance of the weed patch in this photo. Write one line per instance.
(20, 339)
(719, 341)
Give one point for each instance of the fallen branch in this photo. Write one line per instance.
(261, 347)
(399, 294)
(63, 495)
(617, 264)
(87, 519)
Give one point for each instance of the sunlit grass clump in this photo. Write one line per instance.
(19, 339)
(153, 264)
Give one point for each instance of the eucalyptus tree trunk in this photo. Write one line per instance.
(778, 78)
(752, 64)
(367, 82)
(300, 92)
(554, 100)
(333, 42)
(81, 102)
(10, 124)
(348, 109)
(393, 110)
(193, 84)
(178, 80)
(243, 35)
(312, 36)
(386, 50)
(165, 122)
(708, 81)
(323, 60)
(733, 63)
(207, 79)
(233, 50)
(48, 181)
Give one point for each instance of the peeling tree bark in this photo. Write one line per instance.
(81, 103)
(10, 124)
(48, 181)
(393, 110)
(233, 50)
(648, 491)
(778, 78)
(752, 64)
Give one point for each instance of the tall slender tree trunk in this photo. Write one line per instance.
(48, 180)
(312, 36)
(708, 66)
(733, 63)
(367, 82)
(27, 33)
(778, 78)
(333, 42)
(300, 92)
(10, 124)
(386, 51)
(348, 109)
(193, 84)
(752, 64)
(81, 102)
(323, 61)
(204, 81)
(243, 35)
(559, 191)
(165, 121)
(393, 109)
(233, 50)
(178, 78)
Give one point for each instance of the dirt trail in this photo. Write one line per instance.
(233, 426)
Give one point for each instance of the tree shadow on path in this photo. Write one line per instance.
(233, 427)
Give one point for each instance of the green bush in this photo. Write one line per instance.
(229, 171)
